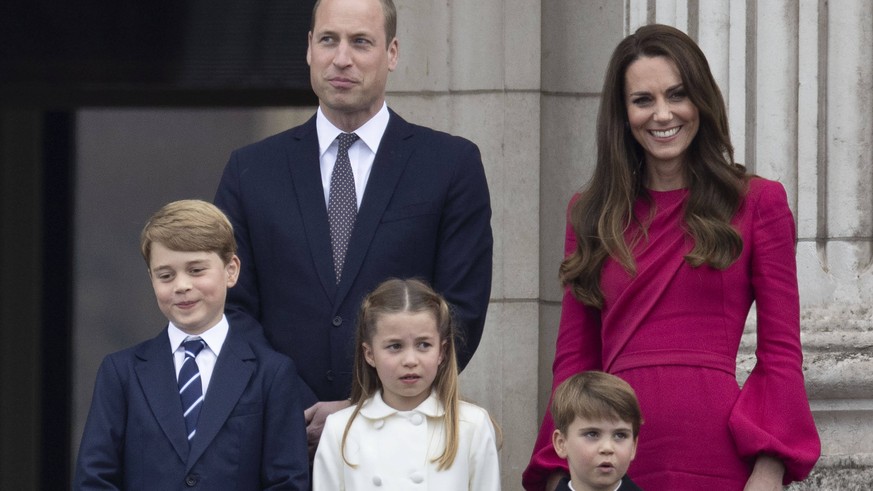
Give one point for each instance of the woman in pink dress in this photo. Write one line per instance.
(667, 247)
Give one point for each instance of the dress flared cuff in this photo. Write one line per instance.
(785, 430)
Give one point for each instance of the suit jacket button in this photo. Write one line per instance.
(337, 321)
(329, 375)
(191, 480)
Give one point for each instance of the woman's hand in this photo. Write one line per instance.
(767, 474)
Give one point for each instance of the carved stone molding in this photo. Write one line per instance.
(838, 369)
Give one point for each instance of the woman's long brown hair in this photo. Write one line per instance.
(603, 212)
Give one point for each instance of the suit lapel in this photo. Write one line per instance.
(394, 152)
(157, 377)
(303, 163)
(230, 377)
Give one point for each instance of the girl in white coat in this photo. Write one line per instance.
(406, 428)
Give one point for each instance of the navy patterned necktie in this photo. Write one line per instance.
(342, 204)
(190, 387)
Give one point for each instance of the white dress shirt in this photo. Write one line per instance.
(361, 153)
(214, 338)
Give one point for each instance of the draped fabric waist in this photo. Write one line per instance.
(661, 358)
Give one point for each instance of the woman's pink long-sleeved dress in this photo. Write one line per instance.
(672, 331)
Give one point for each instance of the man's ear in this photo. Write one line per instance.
(559, 441)
(393, 54)
(309, 49)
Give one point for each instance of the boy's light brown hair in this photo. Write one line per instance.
(595, 395)
(189, 225)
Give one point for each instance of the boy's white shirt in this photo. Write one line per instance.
(570, 485)
(214, 338)
(379, 443)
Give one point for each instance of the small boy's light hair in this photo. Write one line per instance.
(595, 395)
(189, 225)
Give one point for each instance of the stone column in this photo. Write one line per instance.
(577, 43)
(473, 69)
(836, 277)
(772, 140)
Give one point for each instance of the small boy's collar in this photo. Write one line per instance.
(617, 486)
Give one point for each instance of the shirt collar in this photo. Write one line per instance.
(214, 336)
(370, 133)
(570, 485)
(376, 408)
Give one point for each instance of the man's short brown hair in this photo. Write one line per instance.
(389, 12)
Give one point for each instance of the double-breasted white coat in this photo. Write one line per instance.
(394, 450)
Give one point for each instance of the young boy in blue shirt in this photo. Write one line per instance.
(206, 404)
(597, 420)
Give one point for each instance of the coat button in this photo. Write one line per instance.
(417, 478)
(337, 321)
(191, 480)
(377, 481)
(416, 419)
(329, 375)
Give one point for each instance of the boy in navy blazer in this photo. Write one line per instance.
(235, 420)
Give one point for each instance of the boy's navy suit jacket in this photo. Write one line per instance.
(250, 434)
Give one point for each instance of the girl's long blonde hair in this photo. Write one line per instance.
(413, 296)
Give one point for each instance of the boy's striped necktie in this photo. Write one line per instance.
(190, 388)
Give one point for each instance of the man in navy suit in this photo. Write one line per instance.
(206, 403)
(423, 209)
